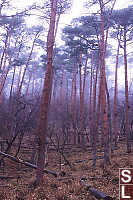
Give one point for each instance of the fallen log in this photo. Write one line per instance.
(18, 160)
(96, 193)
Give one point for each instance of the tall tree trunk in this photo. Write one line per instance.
(126, 95)
(80, 85)
(90, 102)
(46, 94)
(115, 115)
(94, 130)
(98, 105)
(75, 97)
(103, 88)
(109, 114)
(72, 89)
(82, 101)
(74, 104)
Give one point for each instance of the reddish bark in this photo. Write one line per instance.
(90, 102)
(83, 94)
(93, 122)
(115, 128)
(103, 87)
(82, 100)
(46, 94)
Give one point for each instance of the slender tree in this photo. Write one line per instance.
(123, 19)
(46, 94)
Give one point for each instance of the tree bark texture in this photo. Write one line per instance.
(46, 94)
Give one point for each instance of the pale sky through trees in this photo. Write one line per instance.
(76, 10)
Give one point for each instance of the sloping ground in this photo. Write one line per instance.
(51, 189)
(19, 184)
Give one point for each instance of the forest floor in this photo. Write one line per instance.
(19, 182)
